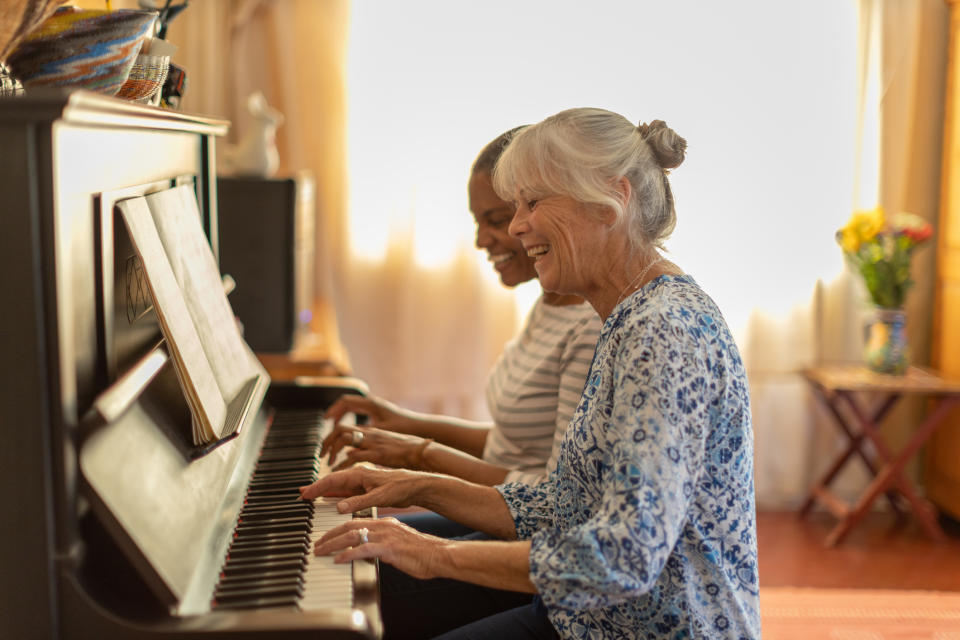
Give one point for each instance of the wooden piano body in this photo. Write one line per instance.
(116, 525)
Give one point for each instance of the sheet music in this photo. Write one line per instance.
(177, 217)
(198, 380)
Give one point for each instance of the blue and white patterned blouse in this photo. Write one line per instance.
(647, 529)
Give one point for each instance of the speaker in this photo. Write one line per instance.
(266, 246)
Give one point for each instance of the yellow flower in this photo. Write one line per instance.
(848, 239)
(862, 227)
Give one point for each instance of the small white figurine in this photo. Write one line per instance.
(256, 153)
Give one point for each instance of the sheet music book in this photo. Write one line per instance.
(214, 365)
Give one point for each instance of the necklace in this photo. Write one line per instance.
(633, 283)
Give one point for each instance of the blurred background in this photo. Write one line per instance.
(795, 114)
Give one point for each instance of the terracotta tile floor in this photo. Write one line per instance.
(880, 553)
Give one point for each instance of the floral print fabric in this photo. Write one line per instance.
(647, 528)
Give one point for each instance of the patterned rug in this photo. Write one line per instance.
(858, 614)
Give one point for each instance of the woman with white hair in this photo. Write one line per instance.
(647, 527)
(531, 391)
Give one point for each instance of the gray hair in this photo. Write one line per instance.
(582, 153)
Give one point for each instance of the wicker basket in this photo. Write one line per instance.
(146, 77)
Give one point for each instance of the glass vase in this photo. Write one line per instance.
(886, 350)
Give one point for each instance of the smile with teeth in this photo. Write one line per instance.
(537, 251)
(497, 258)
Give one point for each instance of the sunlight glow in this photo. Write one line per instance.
(764, 92)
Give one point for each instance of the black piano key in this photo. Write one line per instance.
(258, 591)
(307, 444)
(293, 497)
(255, 552)
(266, 502)
(280, 476)
(244, 595)
(258, 603)
(275, 492)
(275, 484)
(289, 497)
(292, 432)
(284, 454)
(261, 540)
(280, 518)
(274, 581)
(287, 465)
(266, 559)
(294, 501)
(297, 527)
(274, 515)
(253, 568)
(249, 537)
(283, 503)
(255, 512)
(235, 573)
(296, 481)
(252, 582)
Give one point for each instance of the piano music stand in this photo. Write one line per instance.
(837, 386)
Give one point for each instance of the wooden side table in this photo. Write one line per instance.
(837, 386)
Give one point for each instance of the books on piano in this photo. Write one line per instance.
(215, 367)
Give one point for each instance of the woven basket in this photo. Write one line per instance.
(81, 48)
(146, 77)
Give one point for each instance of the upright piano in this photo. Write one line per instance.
(116, 525)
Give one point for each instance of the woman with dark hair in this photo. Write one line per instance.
(647, 528)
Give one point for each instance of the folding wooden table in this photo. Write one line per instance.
(850, 386)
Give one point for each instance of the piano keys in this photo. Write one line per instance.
(122, 528)
(270, 561)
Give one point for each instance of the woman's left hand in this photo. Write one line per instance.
(417, 554)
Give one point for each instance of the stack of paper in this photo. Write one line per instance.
(213, 363)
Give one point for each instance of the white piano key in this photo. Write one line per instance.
(326, 584)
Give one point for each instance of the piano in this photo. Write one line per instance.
(116, 525)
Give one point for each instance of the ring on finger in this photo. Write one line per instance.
(357, 438)
(364, 535)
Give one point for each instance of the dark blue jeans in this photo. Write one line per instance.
(528, 622)
(434, 524)
(415, 609)
(419, 609)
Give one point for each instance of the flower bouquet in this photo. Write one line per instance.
(880, 250)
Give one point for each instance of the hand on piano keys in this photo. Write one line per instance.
(364, 486)
(270, 561)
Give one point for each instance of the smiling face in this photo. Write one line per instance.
(493, 217)
(566, 239)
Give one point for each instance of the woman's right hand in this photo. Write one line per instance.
(416, 554)
(363, 486)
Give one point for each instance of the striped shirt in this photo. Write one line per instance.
(535, 386)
